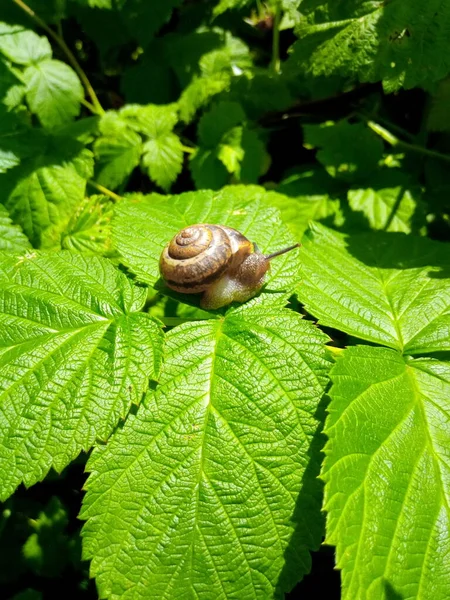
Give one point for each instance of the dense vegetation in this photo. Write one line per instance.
(171, 452)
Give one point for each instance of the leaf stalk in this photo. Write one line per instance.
(98, 109)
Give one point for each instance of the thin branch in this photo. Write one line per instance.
(276, 40)
(104, 190)
(70, 56)
(393, 140)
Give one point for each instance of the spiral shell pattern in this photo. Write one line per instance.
(200, 254)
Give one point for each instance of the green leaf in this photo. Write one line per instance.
(163, 151)
(89, 229)
(387, 288)
(74, 356)
(391, 202)
(307, 195)
(54, 92)
(11, 236)
(215, 70)
(348, 152)
(12, 92)
(224, 5)
(42, 192)
(23, 46)
(396, 42)
(118, 150)
(207, 171)
(260, 93)
(151, 120)
(221, 117)
(163, 156)
(145, 17)
(17, 140)
(217, 494)
(47, 550)
(141, 229)
(386, 470)
(438, 118)
(150, 80)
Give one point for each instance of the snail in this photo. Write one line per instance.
(217, 261)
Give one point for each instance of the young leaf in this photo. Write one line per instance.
(387, 288)
(89, 229)
(11, 236)
(217, 494)
(163, 151)
(118, 150)
(163, 157)
(386, 471)
(74, 356)
(141, 228)
(54, 92)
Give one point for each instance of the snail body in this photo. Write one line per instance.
(217, 261)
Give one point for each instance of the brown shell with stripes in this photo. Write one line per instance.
(209, 258)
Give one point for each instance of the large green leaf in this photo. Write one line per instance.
(74, 356)
(142, 227)
(387, 475)
(216, 495)
(396, 41)
(54, 92)
(11, 236)
(388, 288)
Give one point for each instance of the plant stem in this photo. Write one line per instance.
(276, 40)
(104, 190)
(391, 139)
(88, 105)
(70, 56)
(188, 149)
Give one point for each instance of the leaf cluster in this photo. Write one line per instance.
(223, 447)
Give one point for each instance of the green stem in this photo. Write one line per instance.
(366, 118)
(391, 139)
(70, 56)
(88, 105)
(104, 191)
(276, 40)
(188, 149)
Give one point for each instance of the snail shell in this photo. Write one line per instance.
(215, 260)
